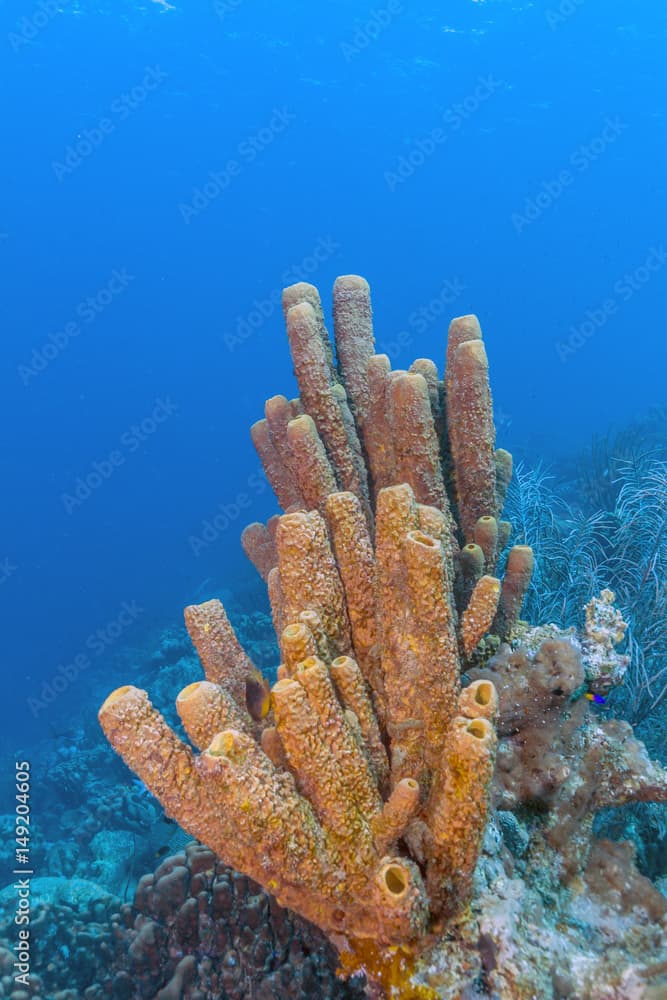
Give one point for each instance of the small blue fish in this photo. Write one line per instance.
(597, 699)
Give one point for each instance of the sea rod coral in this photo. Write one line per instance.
(361, 792)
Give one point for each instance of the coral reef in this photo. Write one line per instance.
(361, 791)
(196, 929)
(93, 824)
(552, 751)
(621, 547)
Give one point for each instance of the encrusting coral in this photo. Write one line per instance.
(360, 793)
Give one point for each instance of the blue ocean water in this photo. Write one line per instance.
(169, 167)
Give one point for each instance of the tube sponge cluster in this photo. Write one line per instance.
(319, 800)
(360, 798)
(358, 790)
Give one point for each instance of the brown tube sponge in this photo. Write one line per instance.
(312, 759)
(276, 600)
(258, 545)
(518, 573)
(396, 515)
(441, 525)
(415, 441)
(503, 461)
(377, 435)
(471, 564)
(486, 536)
(149, 746)
(279, 475)
(222, 656)
(318, 399)
(309, 577)
(297, 643)
(397, 812)
(478, 617)
(313, 470)
(354, 772)
(294, 295)
(479, 700)
(461, 329)
(355, 444)
(206, 709)
(354, 695)
(278, 413)
(431, 663)
(355, 559)
(353, 333)
(471, 433)
(436, 391)
(457, 809)
(432, 522)
(313, 621)
(273, 748)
